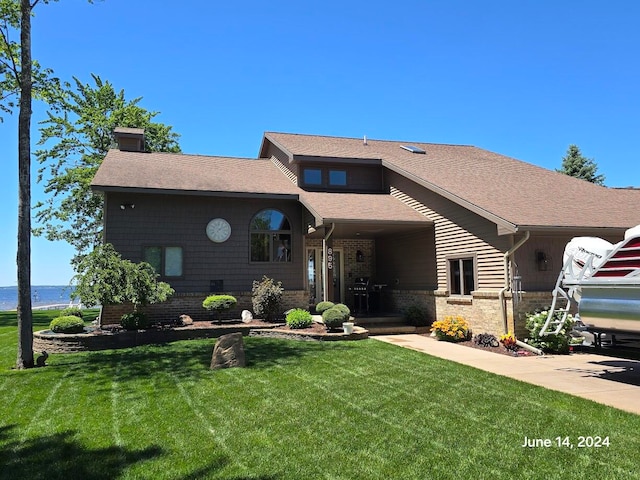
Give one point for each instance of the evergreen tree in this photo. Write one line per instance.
(576, 165)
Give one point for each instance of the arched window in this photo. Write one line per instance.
(270, 237)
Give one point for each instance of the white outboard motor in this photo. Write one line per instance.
(604, 280)
(632, 232)
(588, 253)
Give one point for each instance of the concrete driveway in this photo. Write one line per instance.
(608, 380)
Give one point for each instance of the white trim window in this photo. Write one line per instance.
(462, 275)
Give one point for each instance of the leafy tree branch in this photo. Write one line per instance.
(75, 137)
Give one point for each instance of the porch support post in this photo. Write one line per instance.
(327, 256)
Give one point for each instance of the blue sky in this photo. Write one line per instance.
(523, 79)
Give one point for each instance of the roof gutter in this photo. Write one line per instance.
(504, 289)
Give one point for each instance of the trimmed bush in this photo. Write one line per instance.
(323, 306)
(219, 304)
(334, 317)
(134, 321)
(266, 297)
(67, 324)
(299, 318)
(343, 308)
(75, 311)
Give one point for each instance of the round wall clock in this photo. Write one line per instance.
(218, 230)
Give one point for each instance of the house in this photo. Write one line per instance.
(453, 228)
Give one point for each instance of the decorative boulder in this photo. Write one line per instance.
(247, 316)
(186, 320)
(228, 352)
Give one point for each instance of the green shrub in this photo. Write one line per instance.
(75, 311)
(343, 308)
(266, 297)
(105, 278)
(219, 304)
(134, 321)
(299, 318)
(552, 343)
(417, 316)
(323, 306)
(67, 324)
(334, 317)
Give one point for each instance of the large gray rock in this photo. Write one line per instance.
(228, 352)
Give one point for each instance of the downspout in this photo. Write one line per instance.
(506, 287)
(325, 276)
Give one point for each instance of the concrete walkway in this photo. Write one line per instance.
(607, 380)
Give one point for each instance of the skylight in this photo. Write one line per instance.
(412, 148)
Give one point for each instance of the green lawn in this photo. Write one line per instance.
(300, 410)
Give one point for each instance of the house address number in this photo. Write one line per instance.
(329, 258)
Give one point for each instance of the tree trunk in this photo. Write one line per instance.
(25, 320)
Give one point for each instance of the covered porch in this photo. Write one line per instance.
(367, 251)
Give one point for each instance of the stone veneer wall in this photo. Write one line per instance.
(529, 302)
(482, 310)
(191, 304)
(398, 300)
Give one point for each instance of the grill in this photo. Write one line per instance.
(361, 294)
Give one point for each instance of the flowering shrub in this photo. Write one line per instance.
(452, 329)
(509, 341)
(555, 343)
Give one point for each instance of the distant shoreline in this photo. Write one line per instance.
(41, 296)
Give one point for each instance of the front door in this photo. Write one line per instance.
(315, 276)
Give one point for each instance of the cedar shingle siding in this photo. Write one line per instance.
(180, 220)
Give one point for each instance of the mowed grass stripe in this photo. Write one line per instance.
(41, 419)
(290, 414)
(115, 418)
(249, 414)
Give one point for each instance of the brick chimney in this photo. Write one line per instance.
(129, 139)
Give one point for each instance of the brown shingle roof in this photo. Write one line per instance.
(194, 173)
(359, 207)
(506, 190)
(175, 172)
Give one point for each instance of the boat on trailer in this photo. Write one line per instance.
(603, 281)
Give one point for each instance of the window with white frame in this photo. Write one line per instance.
(462, 275)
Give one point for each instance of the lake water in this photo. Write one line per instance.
(41, 296)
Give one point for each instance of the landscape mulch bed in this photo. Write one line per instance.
(500, 349)
(520, 352)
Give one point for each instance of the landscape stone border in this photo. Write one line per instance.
(95, 338)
